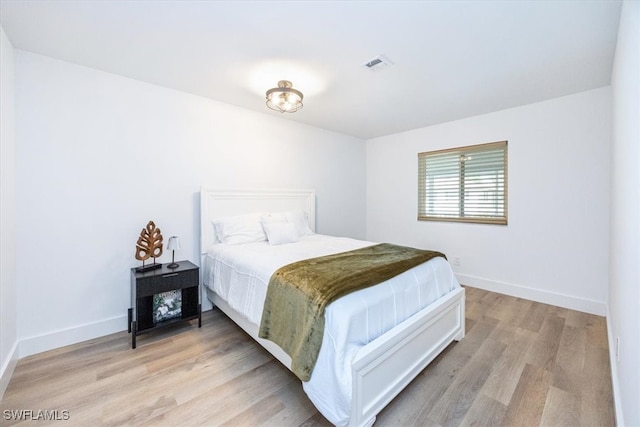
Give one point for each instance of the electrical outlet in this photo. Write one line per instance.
(456, 261)
(617, 349)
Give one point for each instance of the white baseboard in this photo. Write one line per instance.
(7, 368)
(615, 384)
(566, 301)
(76, 334)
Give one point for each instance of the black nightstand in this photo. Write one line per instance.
(164, 296)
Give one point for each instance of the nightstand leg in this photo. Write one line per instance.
(134, 326)
(199, 315)
(130, 315)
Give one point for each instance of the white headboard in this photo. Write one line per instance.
(216, 203)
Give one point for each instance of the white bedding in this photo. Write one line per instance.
(239, 274)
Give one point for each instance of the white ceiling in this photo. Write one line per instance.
(453, 59)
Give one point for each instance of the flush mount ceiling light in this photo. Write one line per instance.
(284, 98)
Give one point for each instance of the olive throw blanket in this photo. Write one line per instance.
(298, 293)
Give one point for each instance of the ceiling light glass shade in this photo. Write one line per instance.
(284, 98)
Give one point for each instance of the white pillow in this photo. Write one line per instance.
(237, 230)
(280, 232)
(270, 217)
(297, 218)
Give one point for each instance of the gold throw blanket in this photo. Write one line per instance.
(298, 293)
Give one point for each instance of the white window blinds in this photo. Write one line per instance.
(467, 184)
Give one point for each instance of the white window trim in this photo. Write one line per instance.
(458, 215)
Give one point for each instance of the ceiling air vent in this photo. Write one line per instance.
(378, 63)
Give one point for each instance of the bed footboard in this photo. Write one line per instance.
(388, 364)
(385, 366)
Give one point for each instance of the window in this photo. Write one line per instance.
(467, 184)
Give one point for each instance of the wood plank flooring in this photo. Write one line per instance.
(521, 364)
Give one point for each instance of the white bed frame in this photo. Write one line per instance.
(385, 366)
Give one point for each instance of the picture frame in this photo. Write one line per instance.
(167, 306)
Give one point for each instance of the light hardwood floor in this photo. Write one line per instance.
(521, 364)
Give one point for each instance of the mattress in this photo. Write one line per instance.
(240, 274)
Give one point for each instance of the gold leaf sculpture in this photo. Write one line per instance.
(149, 243)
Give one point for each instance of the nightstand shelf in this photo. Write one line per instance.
(180, 286)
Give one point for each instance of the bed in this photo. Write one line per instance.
(369, 352)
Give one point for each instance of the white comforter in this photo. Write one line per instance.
(239, 274)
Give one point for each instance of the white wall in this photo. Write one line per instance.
(624, 290)
(555, 247)
(99, 155)
(8, 287)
